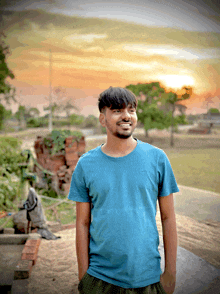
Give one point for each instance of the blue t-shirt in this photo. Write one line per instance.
(124, 240)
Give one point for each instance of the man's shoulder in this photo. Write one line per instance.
(92, 154)
(146, 147)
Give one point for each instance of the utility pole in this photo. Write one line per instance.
(50, 126)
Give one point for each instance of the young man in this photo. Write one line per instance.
(116, 187)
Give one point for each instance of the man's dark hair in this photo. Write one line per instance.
(116, 98)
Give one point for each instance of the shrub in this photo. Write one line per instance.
(37, 122)
(76, 119)
(58, 139)
(10, 157)
(9, 186)
(10, 154)
(90, 122)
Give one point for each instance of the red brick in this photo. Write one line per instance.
(23, 269)
(70, 144)
(29, 249)
(81, 146)
(29, 256)
(33, 243)
(29, 253)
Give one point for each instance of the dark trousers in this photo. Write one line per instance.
(92, 285)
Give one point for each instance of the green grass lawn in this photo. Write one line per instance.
(198, 168)
(65, 213)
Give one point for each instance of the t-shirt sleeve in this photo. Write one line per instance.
(78, 191)
(167, 181)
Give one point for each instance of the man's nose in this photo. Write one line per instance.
(126, 115)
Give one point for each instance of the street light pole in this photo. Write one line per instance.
(50, 94)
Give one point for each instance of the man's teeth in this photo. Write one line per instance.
(125, 125)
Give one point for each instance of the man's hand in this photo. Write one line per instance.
(168, 282)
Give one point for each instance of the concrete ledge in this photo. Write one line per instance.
(28, 257)
(14, 239)
(20, 287)
(9, 231)
(23, 270)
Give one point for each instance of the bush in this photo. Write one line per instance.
(9, 186)
(76, 119)
(10, 157)
(10, 154)
(90, 122)
(58, 137)
(61, 122)
(10, 141)
(181, 120)
(37, 122)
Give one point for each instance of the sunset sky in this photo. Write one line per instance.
(97, 44)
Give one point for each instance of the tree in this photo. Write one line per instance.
(54, 108)
(7, 92)
(171, 98)
(68, 106)
(33, 112)
(21, 114)
(148, 111)
(156, 107)
(213, 110)
(63, 100)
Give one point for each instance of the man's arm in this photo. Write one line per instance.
(83, 217)
(168, 219)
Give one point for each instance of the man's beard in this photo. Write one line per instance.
(116, 133)
(122, 136)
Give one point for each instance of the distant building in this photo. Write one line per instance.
(210, 118)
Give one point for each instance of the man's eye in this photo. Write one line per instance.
(116, 110)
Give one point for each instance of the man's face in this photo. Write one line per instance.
(120, 122)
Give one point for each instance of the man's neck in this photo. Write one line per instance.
(117, 147)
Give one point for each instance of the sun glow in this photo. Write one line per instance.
(176, 81)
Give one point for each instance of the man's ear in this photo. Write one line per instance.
(102, 119)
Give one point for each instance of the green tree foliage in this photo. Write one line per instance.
(76, 119)
(67, 107)
(10, 157)
(156, 106)
(213, 110)
(33, 112)
(4, 114)
(171, 99)
(54, 108)
(148, 111)
(91, 121)
(6, 90)
(21, 114)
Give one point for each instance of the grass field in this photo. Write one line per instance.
(198, 168)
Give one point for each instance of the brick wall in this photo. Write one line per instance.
(61, 165)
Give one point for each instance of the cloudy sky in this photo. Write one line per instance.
(97, 44)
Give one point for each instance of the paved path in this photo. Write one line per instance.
(199, 204)
(194, 274)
